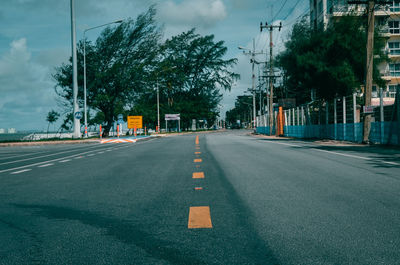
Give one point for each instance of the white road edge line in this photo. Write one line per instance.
(46, 165)
(64, 161)
(21, 171)
(58, 159)
(53, 154)
(341, 154)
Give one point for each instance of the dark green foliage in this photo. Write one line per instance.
(118, 67)
(125, 63)
(190, 74)
(51, 118)
(242, 110)
(332, 61)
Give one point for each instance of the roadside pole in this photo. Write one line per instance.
(271, 72)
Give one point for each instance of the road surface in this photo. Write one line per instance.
(215, 198)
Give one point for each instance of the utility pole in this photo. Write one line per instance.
(253, 53)
(370, 62)
(271, 71)
(76, 114)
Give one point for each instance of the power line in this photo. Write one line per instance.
(284, 3)
(295, 5)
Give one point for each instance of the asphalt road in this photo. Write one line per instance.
(229, 198)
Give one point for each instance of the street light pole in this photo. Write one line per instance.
(84, 68)
(77, 124)
(158, 107)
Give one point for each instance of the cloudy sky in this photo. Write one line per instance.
(35, 37)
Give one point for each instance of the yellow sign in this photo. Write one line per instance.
(135, 122)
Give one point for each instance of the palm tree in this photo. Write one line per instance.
(52, 117)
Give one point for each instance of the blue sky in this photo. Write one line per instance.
(35, 37)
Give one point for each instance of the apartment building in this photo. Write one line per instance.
(323, 11)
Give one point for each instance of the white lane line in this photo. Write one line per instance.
(341, 154)
(78, 157)
(100, 152)
(58, 159)
(68, 151)
(90, 155)
(21, 171)
(64, 161)
(46, 165)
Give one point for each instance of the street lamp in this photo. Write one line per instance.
(84, 67)
(158, 97)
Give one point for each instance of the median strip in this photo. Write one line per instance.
(199, 217)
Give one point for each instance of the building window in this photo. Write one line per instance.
(394, 69)
(394, 27)
(395, 6)
(394, 48)
(392, 91)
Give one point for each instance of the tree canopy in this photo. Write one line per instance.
(332, 62)
(127, 62)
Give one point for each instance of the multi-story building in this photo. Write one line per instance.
(323, 11)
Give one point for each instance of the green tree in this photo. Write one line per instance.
(332, 62)
(51, 118)
(193, 87)
(119, 64)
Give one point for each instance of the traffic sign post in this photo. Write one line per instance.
(173, 117)
(135, 122)
(78, 115)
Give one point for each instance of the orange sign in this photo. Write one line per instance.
(135, 122)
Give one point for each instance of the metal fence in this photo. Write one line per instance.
(339, 119)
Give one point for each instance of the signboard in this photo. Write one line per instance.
(368, 109)
(172, 117)
(135, 122)
(78, 115)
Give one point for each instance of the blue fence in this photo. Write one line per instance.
(343, 132)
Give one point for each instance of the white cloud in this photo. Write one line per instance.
(26, 88)
(194, 13)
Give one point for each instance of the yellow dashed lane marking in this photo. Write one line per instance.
(198, 160)
(199, 217)
(198, 175)
(197, 140)
(197, 153)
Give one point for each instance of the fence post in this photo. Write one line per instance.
(382, 134)
(302, 116)
(398, 112)
(354, 117)
(344, 118)
(294, 118)
(327, 119)
(335, 117)
(298, 116)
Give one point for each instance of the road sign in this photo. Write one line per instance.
(135, 122)
(78, 115)
(120, 117)
(172, 117)
(368, 109)
(120, 121)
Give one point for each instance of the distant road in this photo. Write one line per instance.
(213, 198)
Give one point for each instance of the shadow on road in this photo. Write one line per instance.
(123, 231)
